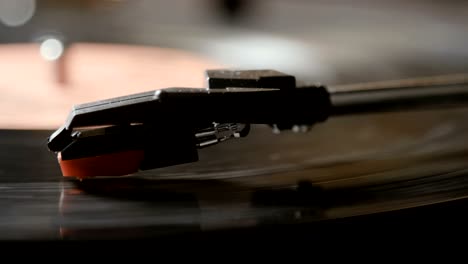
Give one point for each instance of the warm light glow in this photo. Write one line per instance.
(31, 97)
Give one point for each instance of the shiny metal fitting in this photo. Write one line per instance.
(219, 133)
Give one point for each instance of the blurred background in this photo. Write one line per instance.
(58, 53)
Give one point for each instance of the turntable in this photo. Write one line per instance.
(391, 157)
